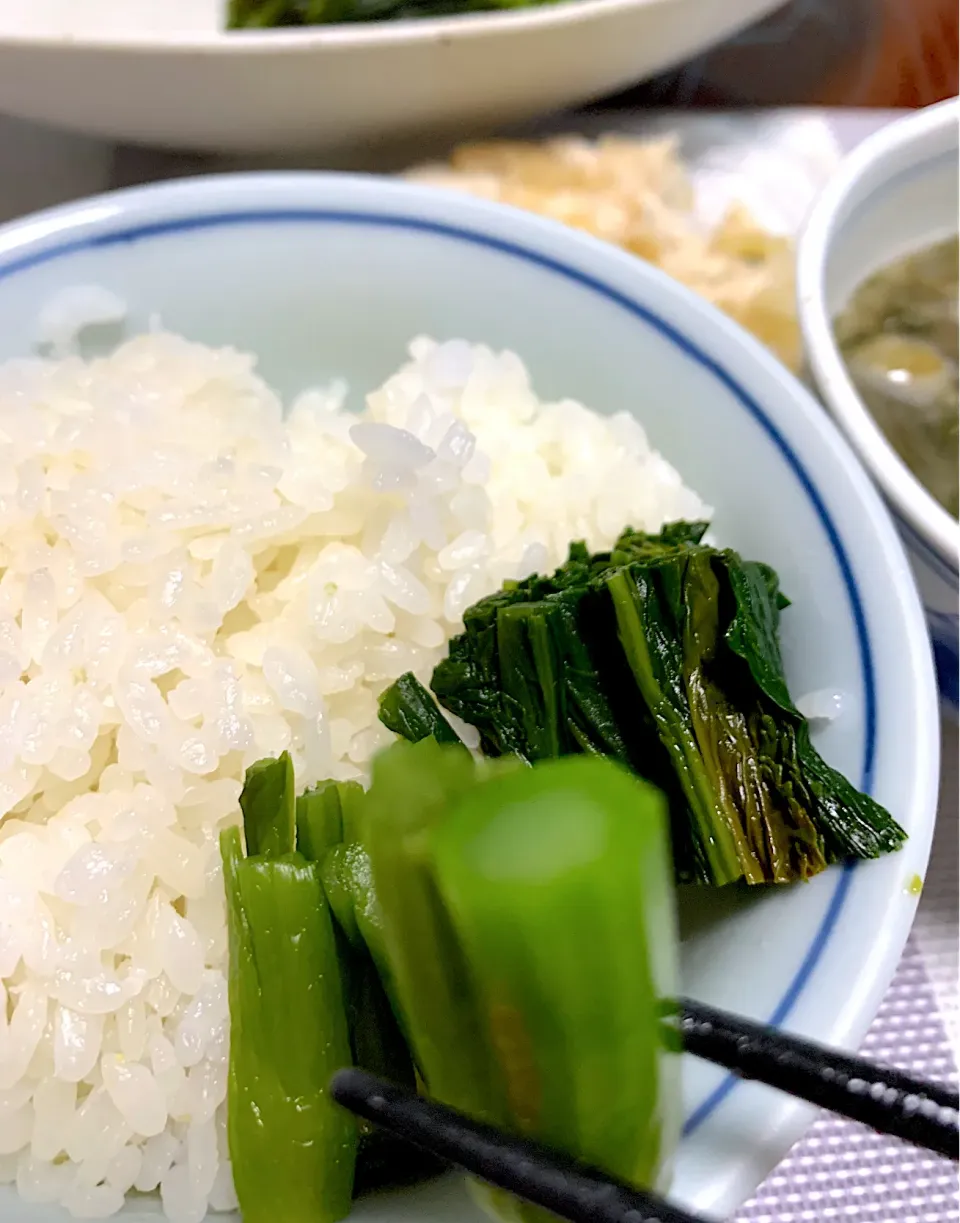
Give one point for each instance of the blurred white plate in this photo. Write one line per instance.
(335, 86)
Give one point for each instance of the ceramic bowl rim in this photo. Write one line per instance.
(124, 216)
(938, 530)
(459, 27)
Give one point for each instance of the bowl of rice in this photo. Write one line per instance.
(262, 440)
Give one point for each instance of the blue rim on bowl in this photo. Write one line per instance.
(105, 223)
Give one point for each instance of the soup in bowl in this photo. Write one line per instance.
(876, 283)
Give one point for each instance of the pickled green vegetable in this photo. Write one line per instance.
(292, 1149)
(267, 14)
(329, 823)
(413, 787)
(409, 710)
(529, 924)
(306, 999)
(661, 654)
(268, 803)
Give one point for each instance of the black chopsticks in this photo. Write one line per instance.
(532, 1172)
(890, 1101)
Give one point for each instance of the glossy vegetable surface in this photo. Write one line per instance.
(291, 1148)
(530, 933)
(330, 822)
(662, 654)
(306, 999)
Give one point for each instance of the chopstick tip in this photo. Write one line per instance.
(355, 1090)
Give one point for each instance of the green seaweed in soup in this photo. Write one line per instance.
(898, 334)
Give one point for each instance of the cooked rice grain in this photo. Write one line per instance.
(192, 580)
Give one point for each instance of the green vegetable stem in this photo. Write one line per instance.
(292, 1149)
(329, 824)
(530, 933)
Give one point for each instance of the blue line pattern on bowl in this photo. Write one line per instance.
(945, 635)
(946, 659)
(156, 229)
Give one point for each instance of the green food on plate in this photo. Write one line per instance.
(662, 654)
(269, 14)
(376, 1042)
(530, 933)
(498, 929)
(306, 999)
(503, 935)
(292, 1150)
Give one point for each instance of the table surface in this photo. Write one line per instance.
(838, 1171)
(820, 52)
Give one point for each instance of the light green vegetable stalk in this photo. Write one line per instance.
(530, 934)
(329, 823)
(414, 786)
(292, 1149)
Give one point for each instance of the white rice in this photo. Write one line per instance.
(192, 580)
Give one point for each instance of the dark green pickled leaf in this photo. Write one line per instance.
(531, 682)
(648, 600)
(267, 14)
(591, 725)
(468, 681)
(408, 709)
(850, 823)
(854, 825)
(639, 546)
(772, 581)
(749, 758)
(753, 630)
(663, 653)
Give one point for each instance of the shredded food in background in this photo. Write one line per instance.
(639, 195)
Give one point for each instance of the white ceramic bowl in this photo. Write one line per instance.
(327, 275)
(333, 87)
(896, 193)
